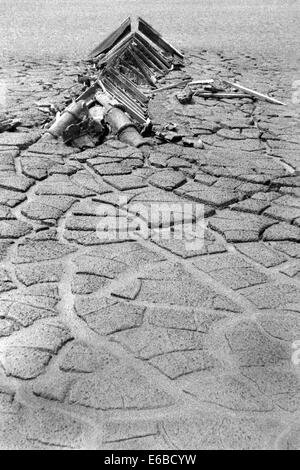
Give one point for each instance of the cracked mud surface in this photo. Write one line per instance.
(145, 344)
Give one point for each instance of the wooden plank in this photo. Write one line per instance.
(144, 99)
(117, 50)
(89, 95)
(142, 54)
(131, 69)
(123, 81)
(126, 99)
(136, 116)
(8, 124)
(156, 63)
(143, 68)
(256, 94)
(157, 39)
(208, 81)
(114, 38)
(130, 107)
(147, 49)
(141, 61)
(220, 95)
(162, 61)
(111, 63)
(170, 87)
(106, 100)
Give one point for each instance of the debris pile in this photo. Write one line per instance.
(8, 124)
(125, 68)
(123, 73)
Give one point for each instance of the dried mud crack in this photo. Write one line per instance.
(146, 344)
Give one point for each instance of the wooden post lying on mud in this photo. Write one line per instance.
(220, 95)
(258, 95)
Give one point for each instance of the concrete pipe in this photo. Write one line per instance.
(74, 114)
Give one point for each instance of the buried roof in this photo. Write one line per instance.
(129, 62)
(125, 32)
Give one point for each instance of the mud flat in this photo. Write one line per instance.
(148, 345)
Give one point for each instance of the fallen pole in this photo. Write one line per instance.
(220, 95)
(258, 95)
(183, 83)
(208, 81)
(170, 87)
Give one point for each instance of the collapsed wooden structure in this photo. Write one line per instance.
(126, 66)
(125, 72)
(130, 60)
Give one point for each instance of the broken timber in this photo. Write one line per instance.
(253, 93)
(126, 68)
(113, 38)
(157, 39)
(129, 63)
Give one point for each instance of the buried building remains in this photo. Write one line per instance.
(161, 341)
(126, 70)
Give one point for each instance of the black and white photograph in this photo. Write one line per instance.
(149, 228)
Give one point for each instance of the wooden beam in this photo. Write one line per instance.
(117, 50)
(131, 110)
(89, 95)
(157, 39)
(131, 70)
(113, 39)
(220, 95)
(120, 93)
(170, 87)
(208, 81)
(256, 94)
(143, 68)
(157, 63)
(128, 85)
(142, 54)
(162, 61)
